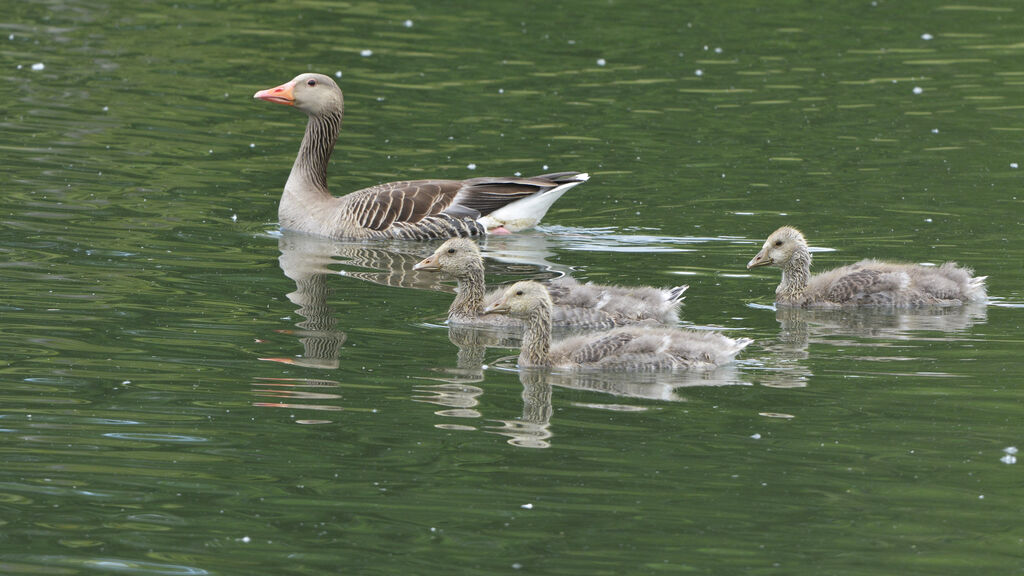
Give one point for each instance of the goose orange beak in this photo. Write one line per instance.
(283, 94)
(428, 263)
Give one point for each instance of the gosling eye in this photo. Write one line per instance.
(311, 82)
(778, 242)
(519, 292)
(451, 250)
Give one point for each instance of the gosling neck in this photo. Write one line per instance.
(795, 275)
(469, 297)
(536, 350)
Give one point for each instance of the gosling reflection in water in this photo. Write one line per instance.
(850, 328)
(459, 394)
(534, 428)
(802, 325)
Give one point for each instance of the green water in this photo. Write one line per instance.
(185, 389)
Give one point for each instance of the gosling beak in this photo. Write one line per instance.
(283, 94)
(428, 263)
(499, 306)
(760, 260)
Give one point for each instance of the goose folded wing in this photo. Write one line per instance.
(382, 206)
(485, 195)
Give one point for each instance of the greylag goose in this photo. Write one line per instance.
(630, 348)
(866, 283)
(575, 304)
(410, 210)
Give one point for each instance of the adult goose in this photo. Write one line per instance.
(868, 283)
(630, 348)
(414, 209)
(576, 305)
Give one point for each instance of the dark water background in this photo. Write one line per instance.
(184, 389)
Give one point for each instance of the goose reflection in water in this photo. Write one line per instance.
(785, 364)
(309, 261)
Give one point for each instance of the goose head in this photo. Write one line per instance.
(457, 256)
(779, 249)
(521, 300)
(314, 94)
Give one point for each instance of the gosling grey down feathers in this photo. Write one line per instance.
(631, 348)
(575, 305)
(868, 283)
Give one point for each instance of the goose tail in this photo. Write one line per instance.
(529, 211)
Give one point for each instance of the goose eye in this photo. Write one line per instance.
(451, 250)
(519, 292)
(311, 82)
(778, 242)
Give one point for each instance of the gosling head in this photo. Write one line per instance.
(521, 300)
(457, 256)
(780, 248)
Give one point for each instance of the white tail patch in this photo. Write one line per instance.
(527, 213)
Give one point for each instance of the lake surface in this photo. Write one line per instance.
(186, 389)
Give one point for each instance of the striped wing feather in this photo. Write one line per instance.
(380, 207)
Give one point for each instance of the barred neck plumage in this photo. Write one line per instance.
(537, 337)
(315, 152)
(469, 299)
(795, 276)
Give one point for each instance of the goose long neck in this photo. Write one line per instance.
(469, 299)
(536, 350)
(795, 276)
(310, 168)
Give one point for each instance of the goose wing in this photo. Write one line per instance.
(485, 195)
(411, 202)
(380, 207)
